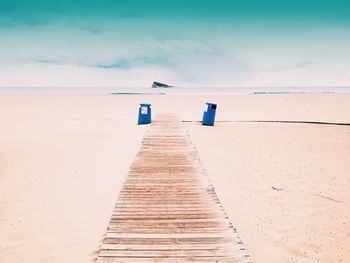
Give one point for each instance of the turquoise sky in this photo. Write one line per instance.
(194, 43)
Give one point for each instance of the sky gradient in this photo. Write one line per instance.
(186, 43)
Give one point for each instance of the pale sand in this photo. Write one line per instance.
(63, 159)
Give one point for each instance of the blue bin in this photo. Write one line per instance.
(144, 114)
(209, 114)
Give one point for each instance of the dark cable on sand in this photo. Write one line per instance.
(301, 122)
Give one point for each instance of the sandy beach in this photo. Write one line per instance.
(284, 186)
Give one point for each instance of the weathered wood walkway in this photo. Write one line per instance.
(167, 210)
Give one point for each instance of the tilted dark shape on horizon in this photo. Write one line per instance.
(160, 85)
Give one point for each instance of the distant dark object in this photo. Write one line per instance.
(277, 189)
(160, 85)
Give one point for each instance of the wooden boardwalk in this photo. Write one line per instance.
(167, 210)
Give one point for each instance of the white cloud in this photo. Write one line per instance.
(38, 75)
(59, 56)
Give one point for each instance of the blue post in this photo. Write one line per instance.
(209, 114)
(144, 114)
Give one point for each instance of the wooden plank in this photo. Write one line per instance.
(163, 247)
(167, 229)
(170, 260)
(168, 210)
(174, 241)
(168, 253)
(173, 223)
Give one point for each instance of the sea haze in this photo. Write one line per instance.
(172, 90)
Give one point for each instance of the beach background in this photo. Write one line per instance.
(284, 186)
(67, 142)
